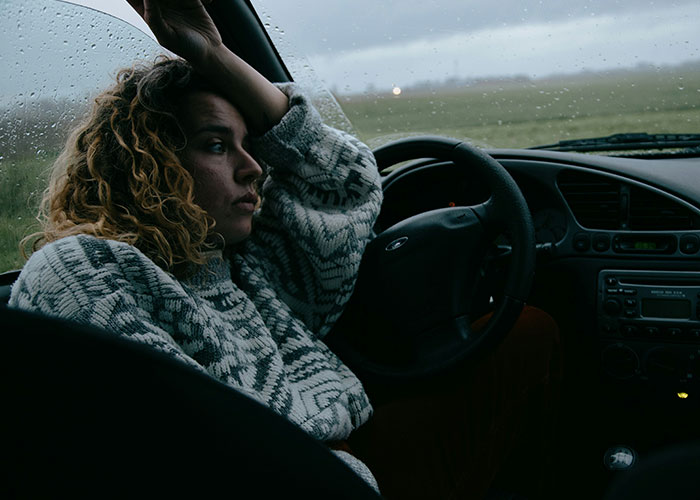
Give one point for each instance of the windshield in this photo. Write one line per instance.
(513, 74)
(524, 74)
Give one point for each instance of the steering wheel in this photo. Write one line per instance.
(410, 315)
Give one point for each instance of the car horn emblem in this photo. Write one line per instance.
(396, 244)
(619, 458)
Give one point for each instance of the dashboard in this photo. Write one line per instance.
(618, 263)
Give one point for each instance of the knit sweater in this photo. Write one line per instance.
(252, 316)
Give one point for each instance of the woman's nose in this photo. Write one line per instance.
(248, 170)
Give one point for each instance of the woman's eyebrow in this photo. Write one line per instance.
(219, 129)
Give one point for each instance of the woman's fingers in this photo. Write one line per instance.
(154, 18)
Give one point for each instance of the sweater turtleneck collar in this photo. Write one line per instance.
(215, 269)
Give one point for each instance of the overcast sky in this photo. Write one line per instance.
(383, 43)
(365, 23)
(401, 42)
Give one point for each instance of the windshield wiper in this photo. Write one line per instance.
(625, 142)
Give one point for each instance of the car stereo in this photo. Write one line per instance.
(659, 305)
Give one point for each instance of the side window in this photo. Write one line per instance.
(55, 58)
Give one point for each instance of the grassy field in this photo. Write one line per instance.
(21, 184)
(495, 114)
(522, 114)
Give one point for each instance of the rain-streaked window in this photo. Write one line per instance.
(56, 57)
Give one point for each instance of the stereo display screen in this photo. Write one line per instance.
(666, 308)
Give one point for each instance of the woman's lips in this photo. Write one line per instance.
(247, 202)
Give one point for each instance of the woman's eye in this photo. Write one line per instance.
(216, 147)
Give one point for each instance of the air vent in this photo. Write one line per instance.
(595, 200)
(599, 202)
(650, 211)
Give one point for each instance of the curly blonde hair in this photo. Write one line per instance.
(119, 176)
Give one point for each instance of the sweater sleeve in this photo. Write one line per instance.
(320, 201)
(101, 283)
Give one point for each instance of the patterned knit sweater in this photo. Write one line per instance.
(253, 317)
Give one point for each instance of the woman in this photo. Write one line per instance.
(155, 229)
(150, 209)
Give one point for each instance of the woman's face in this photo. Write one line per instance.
(217, 155)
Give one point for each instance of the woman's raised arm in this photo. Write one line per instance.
(185, 28)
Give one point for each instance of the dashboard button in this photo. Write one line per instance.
(612, 307)
(651, 331)
(608, 328)
(673, 333)
(629, 330)
(601, 242)
(690, 244)
(582, 242)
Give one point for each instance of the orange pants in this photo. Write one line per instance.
(451, 437)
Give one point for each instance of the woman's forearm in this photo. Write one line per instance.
(262, 104)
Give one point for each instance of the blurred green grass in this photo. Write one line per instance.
(504, 114)
(22, 181)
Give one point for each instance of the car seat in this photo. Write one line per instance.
(87, 413)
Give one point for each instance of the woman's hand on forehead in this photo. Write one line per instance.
(181, 26)
(186, 28)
